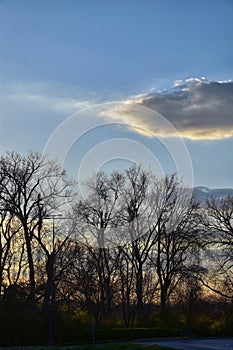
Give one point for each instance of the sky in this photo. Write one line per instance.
(102, 84)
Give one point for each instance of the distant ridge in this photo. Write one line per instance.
(202, 193)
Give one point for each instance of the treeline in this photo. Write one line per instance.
(132, 251)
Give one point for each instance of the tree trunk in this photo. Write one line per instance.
(139, 286)
(50, 294)
(31, 266)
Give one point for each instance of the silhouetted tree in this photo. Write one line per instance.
(219, 226)
(96, 220)
(30, 188)
(11, 257)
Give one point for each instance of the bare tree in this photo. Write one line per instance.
(9, 232)
(140, 221)
(219, 226)
(159, 232)
(31, 187)
(96, 221)
(126, 297)
(176, 250)
(187, 297)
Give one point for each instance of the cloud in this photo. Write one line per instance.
(49, 101)
(31, 112)
(197, 108)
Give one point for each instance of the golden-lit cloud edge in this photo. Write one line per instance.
(197, 109)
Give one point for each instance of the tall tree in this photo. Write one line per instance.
(96, 221)
(9, 234)
(177, 252)
(31, 187)
(219, 226)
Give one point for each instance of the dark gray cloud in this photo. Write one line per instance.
(198, 109)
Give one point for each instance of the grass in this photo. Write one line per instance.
(93, 347)
(125, 347)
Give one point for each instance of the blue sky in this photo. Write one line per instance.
(58, 57)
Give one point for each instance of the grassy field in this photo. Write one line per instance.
(122, 347)
(92, 347)
(130, 347)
